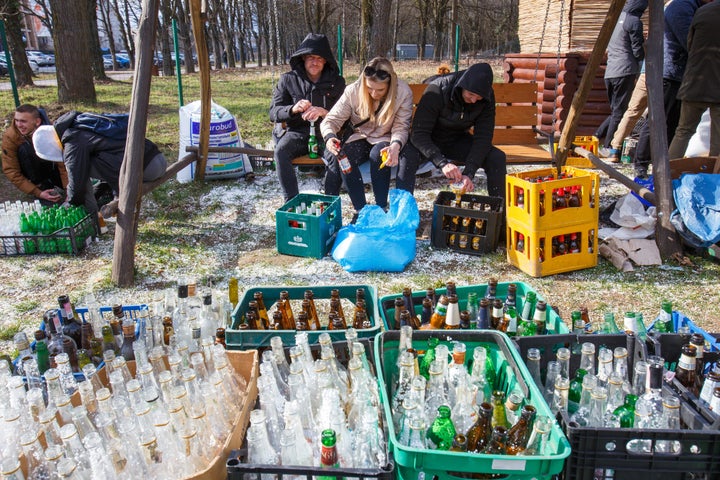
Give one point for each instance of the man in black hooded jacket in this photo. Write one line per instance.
(454, 122)
(303, 95)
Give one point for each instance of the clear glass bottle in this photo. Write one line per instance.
(597, 406)
(563, 358)
(479, 375)
(670, 420)
(650, 402)
(539, 436)
(587, 357)
(616, 393)
(457, 373)
(582, 416)
(560, 395)
(639, 378)
(436, 394)
(553, 370)
(403, 387)
(532, 361)
(712, 380)
(605, 365)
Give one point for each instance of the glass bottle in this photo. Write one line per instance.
(625, 413)
(406, 372)
(587, 358)
(457, 374)
(497, 317)
(483, 319)
(510, 319)
(498, 441)
(597, 406)
(609, 325)
(560, 395)
(233, 292)
(563, 358)
(582, 415)
(575, 390)
(519, 434)
(442, 430)
(539, 436)
(639, 378)
(540, 318)
(473, 309)
(312, 142)
(491, 291)
(532, 361)
(699, 341)
(664, 322)
(479, 434)
(426, 315)
(553, 370)
(511, 297)
(605, 365)
(437, 321)
(459, 443)
(499, 417)
(616, 393)
(712, 380)
(651, 400)
(429, 357)
(288, 319)
(685, 370)
(71, 322)
(620, 362)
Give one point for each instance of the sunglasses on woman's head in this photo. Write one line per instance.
(377, 73)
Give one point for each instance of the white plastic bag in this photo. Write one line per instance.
(223, 133)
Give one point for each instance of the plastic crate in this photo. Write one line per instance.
(242, 339)
(589, 143)
(528, 211)
(511, 374)
(534, 255)
(606, 453)
(305, 235)
(473, 229)
(554, 323)
(680, 320)
(239, 469)
(69, 240)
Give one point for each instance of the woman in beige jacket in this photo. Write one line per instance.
(376, 111)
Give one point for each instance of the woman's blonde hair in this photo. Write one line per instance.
(365, 107)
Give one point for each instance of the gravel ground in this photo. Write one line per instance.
(229, 230)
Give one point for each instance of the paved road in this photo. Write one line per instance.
(52, 82)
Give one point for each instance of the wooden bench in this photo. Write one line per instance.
(516, 131)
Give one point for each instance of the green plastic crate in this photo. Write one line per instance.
(554, 323)
(236, 339)
(306, 235)
(511, 373)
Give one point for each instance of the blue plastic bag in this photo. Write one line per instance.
(697, 197)
(379, 241)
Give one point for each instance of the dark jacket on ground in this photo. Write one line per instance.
(701, 82)
(442, 115)
(625, 50)
(83, 148)
(294, 85)
(678, 17)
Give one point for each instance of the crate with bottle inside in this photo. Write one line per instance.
(267, 311)
(319, 414)
(467, 223)
(619, 414)
(555, 250)
(473, 307)
(491, 421)
(548, 198)
(307, 225)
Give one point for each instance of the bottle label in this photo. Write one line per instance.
(441, 309)
(328, 457)
(688, 363)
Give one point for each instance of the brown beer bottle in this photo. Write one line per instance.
(519, 434)
(313, 318)
(399, 308)
(262, 311)
(685, 370)
(479, 434)
(335, 295)
(437, 321)
(286, 309)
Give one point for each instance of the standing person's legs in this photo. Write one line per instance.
(672, 107)
(288, 147)
(621, 89)
(380, 178)
(690, 114)
(407, 168)
(358, 153)
(714, 129)
(636, 107)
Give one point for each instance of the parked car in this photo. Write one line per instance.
(122, 62)
(34, 67)
(40, 58)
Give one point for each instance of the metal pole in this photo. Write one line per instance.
(177, 62)
(457, 46)
(8, 60)
(340, 51)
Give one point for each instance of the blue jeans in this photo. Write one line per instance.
(361, 151)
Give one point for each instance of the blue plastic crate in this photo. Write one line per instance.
(679, 320)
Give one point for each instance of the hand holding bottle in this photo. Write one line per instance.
(313, 113)
(333, 145)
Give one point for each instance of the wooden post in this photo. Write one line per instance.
(571, 122)
(665, 235)
(198, 13)
(123, 265)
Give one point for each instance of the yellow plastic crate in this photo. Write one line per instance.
(589, 143)
(532, 251)
(530, 203)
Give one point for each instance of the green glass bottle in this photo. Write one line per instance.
(499, 418)
(108, 339)
(312, 142)
(609, 325)
(43, 356)
(575, 391)
(428, 358)
(578, 326)
(626, 411)
(442, 431)
(328, 452)
(664, 322)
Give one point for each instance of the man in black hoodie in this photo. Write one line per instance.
(454, 122)
(303, 95)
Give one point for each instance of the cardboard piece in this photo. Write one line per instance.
(679, 166)
(637, 250)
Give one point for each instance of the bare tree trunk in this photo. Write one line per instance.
(104, 7)
(666, 237)
(96, 59)
(10, 14)
(165, 27)
(125, 29)
(366, 27)
(380, 36)
(396, 26)
(183, 22)
(123, 265)
(307, 14)
(73, 58)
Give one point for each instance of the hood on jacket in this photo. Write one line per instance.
(314, 44)
(635, 7)
(477, 79)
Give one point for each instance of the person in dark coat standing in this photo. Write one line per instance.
(455, 121)
(625, 55)
(678, 17)
(303, 95)
(700, 88)
(88, 155)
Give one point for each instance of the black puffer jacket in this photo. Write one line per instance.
(442, 115)
(294, 85)
(82, 148)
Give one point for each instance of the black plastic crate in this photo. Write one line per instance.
(67, 240)
(238, 469)
(479, 233)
